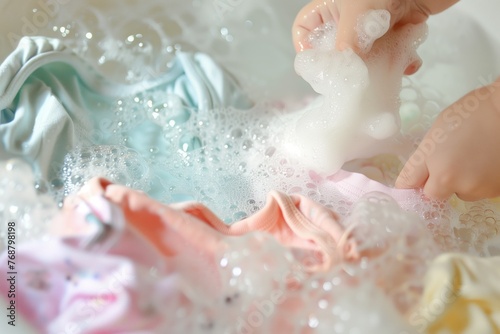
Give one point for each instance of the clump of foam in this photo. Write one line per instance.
(252, 276)
(396, 247)
(118, 164)
(255, 273)
(229, 159)
(337, 304)
(265, 288)
(133, 47)
(359, 115)
(23, 202)
(478, 226)
(256, 254)
(371, 26)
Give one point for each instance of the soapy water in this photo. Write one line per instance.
(120, 165)
(22, 202)
(229, 159)
(359, 115)
(134, 45)
(266, 289)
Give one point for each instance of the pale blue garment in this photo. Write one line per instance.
(50, 99)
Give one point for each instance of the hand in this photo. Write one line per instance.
(461, 152)
(346, 13)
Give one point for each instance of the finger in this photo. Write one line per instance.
(347, 35)
(413, 67)
(470, 197)
(300, 42)
(309, 18)
(477, 190)
(436, 189)
(414, 174)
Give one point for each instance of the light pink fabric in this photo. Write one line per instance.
(353, 186)
(294, 220)
(94, 277)
(118, 257)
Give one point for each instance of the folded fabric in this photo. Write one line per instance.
(462, 295)
(353, 186)
(50, 98)
(95, 274)
(294, 220)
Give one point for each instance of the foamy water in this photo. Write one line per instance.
(359, 115)
(229, 159)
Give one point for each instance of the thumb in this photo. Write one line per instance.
(310, 17)
(347, 35)
(307, 19)
(414, 174)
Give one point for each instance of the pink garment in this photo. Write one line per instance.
(94, 277)
(294, 220)
(123, 262)
(352, 186)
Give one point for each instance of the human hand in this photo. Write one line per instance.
(346, 13)
(461, 152)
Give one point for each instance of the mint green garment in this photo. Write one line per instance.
(51, 101)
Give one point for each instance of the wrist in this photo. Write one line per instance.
(495, 89)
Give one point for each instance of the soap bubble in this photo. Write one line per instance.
(230, 159)
(118, 164)
(21, 206)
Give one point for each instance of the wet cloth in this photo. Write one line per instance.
(95, 275)
(462, 295)
(50, 99)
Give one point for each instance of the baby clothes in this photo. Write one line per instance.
(52, 101)
(89, 278)
(353, 186)
(117, 257)
(294, 220)
(462, 295)
(119, 261)
(49, 98)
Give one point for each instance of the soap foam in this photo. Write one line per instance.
(229, 159)
(359, 115)
(25, 205)
(265, 288)
(118, 164)
(132, 48)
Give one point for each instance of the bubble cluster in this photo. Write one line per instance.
(265, 287)
(395, 245)
(477, 226)
(24, 202)
(130, 48)
(337, 307)
(358, 114)
(118, 164)
(255, 265)
(230, 159)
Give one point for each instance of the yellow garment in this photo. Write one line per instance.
(462, 295)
